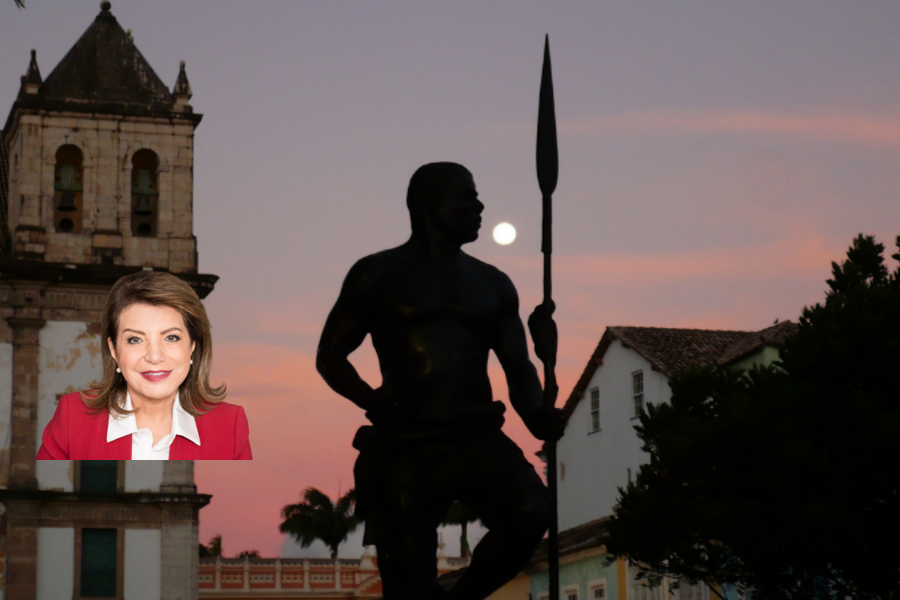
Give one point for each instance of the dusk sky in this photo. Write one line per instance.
(715, 157)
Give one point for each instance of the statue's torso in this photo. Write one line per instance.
(432, 325)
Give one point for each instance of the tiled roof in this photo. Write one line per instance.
(671, 350)
(104, 65)
(576, 539)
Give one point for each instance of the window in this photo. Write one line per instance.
(597, 590)
(595, 410)
(67, 188)
(570, 592)
(99, 476)
(144, 193)
(637, 392)
(98, 563)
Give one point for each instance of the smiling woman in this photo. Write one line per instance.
(154, 401)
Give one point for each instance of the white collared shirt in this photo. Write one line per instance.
(142, 447)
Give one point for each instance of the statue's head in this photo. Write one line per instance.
(442, 198)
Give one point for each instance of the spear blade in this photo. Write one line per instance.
(547, 157)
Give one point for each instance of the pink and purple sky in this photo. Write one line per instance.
(714, 158)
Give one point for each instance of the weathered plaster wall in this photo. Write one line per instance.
(69, 360)
(143, 549)
(55, 562)
(143, 475)
(57, 475)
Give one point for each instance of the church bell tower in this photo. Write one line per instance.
(96, 182)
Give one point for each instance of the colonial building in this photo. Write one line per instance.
(601, 452)
(96, 182)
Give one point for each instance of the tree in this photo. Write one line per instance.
(318, 518)
(249, 554)
(460, 514)
(784, 478)
(214, 550)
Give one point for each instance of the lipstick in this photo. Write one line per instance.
(155, 375)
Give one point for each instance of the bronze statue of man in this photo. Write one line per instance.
(434, 314)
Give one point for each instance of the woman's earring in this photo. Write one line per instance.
(118, 370)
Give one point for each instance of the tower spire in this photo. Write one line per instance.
(32, 78)
(182, 91)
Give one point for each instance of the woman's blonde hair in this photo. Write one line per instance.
(156, 289)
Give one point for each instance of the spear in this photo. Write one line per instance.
(547, 172)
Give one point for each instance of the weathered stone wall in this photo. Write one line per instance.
(180, 562)
(108, 144)
(6, 386)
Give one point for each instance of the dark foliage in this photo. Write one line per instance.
(316, 517)
(784, 478)
(213, 550)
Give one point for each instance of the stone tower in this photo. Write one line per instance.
(101, 160)
(96, 182)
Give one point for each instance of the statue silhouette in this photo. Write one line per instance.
(434, 314)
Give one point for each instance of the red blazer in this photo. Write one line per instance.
(75, 434)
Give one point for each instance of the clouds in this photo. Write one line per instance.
(853, 129)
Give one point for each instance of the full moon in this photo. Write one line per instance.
(504, 234)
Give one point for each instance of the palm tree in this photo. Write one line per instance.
(214, 550)
(460, 514)
(318, 518)
(249, 554)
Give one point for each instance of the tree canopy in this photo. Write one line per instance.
(784, 478)
(214, 550)
(316, 517)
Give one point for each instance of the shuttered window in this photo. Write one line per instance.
(99, 476)
(98, 563)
